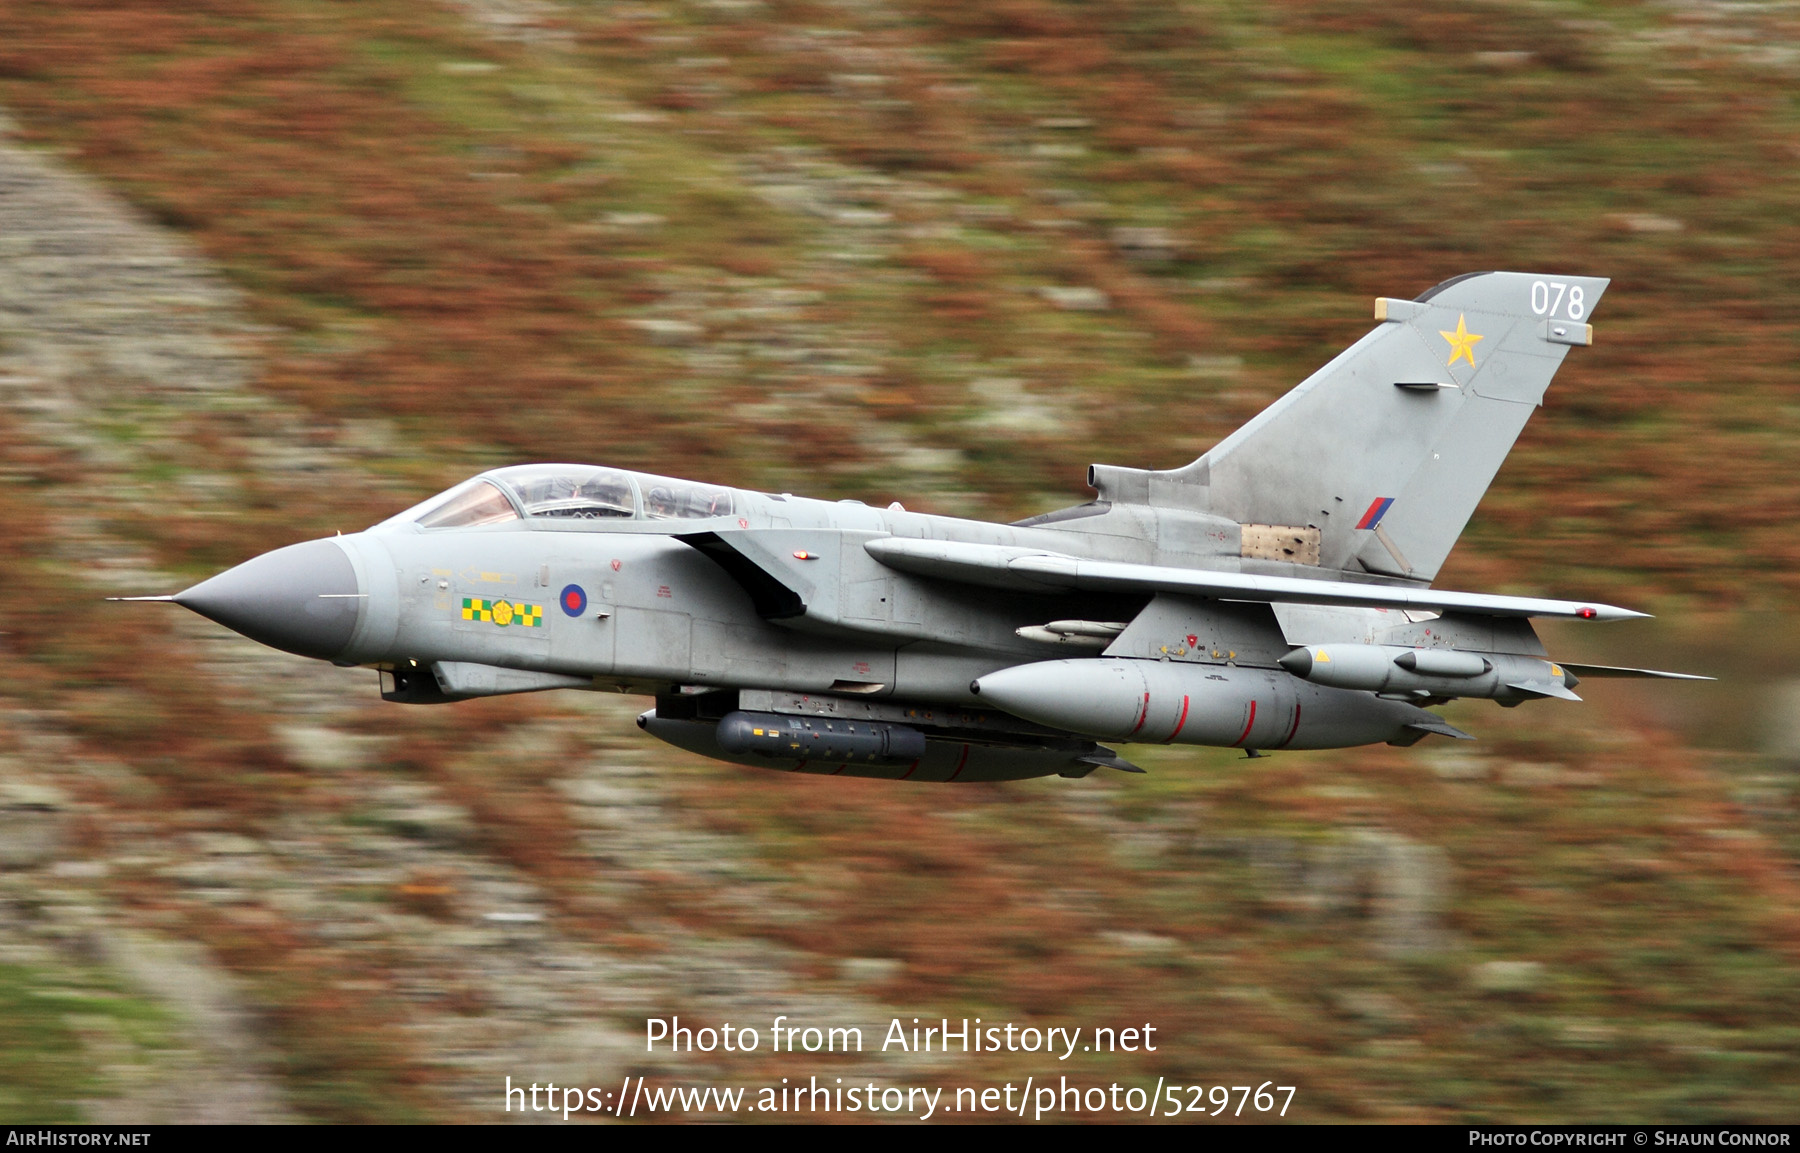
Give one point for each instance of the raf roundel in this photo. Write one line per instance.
(574, 600)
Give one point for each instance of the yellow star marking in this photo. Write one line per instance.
(1462, 342)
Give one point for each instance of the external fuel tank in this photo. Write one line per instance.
(1195, 704)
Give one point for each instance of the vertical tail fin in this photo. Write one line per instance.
(1388, 448)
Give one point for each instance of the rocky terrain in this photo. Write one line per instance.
(268, 275)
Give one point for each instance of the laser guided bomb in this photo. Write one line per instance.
(1273, 594)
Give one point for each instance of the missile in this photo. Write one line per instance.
(1094, 635)
(1403, 673)
(1123, 699)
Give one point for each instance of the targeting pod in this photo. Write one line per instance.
(819, 738)
(941, 759)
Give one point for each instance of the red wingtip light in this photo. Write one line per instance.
(802, 554)
(1587, 614)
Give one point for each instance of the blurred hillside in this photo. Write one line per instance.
(272, 268)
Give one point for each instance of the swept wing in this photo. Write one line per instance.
(1012, 567)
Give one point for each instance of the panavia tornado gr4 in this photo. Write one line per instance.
(1272, 595)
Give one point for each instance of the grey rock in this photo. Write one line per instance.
(240, 1089)
(1412, 882)
(1075, 298)
(668, 331)
(870, 970)
(31, 837)
(1145, 245)
(326, 750)
(1456, 765)
(1508, 976)
(1140, 943)
(34, 823)
(1781, 724)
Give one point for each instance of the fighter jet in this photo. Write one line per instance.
(1275, 594)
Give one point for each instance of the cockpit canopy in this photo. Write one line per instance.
(578, 492)
(570, 491)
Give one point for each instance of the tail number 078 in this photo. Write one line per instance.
(1549, 296)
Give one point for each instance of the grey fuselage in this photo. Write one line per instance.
(797, 618)
(1273, 594)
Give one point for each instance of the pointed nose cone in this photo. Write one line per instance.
(1097, 697)
(302, 599)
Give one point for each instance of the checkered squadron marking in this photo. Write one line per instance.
(503, 613)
